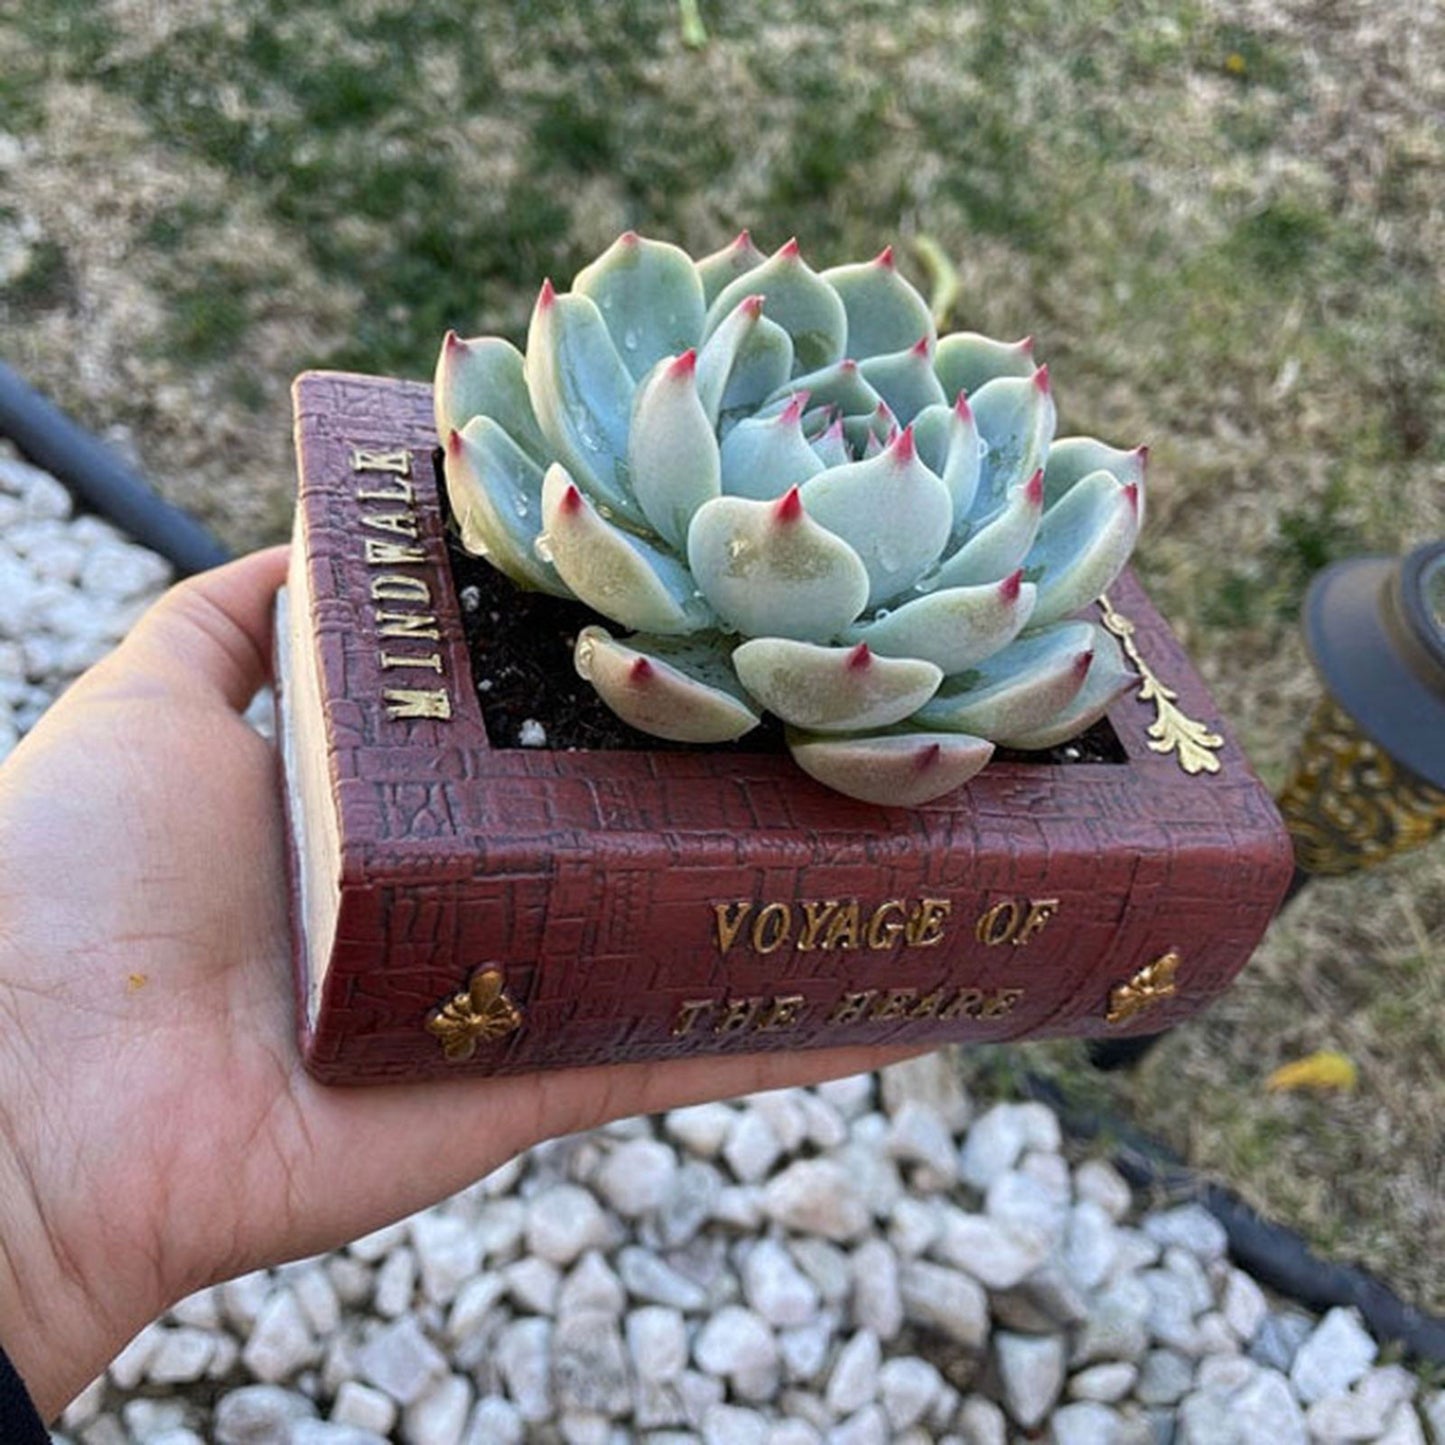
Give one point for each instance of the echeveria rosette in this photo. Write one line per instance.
(794, 495)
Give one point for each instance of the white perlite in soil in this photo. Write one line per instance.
(861, 1263)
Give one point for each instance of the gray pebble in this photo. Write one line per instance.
(259, 1415)
(1337, 1353)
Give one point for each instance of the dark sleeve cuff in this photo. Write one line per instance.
(19, 1424)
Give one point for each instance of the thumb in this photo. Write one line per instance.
(210, 634)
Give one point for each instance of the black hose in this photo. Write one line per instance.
(100, 480)
(1274, 1255)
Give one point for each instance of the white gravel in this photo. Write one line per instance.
(854, 1264)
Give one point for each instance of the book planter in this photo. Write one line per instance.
(474, 893)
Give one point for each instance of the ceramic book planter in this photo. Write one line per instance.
(463, 905)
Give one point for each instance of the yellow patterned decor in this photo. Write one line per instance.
(481, 1014)
(1153, 982)
(1171, 731)
(1349, 805)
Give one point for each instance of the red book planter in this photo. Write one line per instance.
(462, 908)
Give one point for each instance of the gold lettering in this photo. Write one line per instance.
(883, 934)
(852, 1006)
(815, 915)
(1001, 1003)
(407, 624)
(730, 920)
(392, 554)
(778, 918)
(1040, 911)
(403, 524)
(396, 461)
(925, 926)
(999, 924)
(429, 702)
(843, 930)
(781, 1013)
(894, 1004)
(402, 492)
(827, 924)
(432, 660)
(965, 1005)
(393, 587)
(737, 1015)
(928, 1005)
(687, 1015)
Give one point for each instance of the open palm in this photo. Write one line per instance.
(156, 1129)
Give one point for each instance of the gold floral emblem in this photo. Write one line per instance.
(1171, 731)
(1153, 982)
(479, 1015)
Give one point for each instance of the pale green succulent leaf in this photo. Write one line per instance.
(1082, 544)
(833, 689)
(805, 306)
(762, 363)
(966, 361)
(902, 769)
(484, 377)
(768, 569)
(650, 297)
(717, 357)
(581, 394)
(865, 435)
(891, 510)
(620, 575)
(1071, 459)
(495, 490)
(954, 628)
(962, 466)
(905, 380)
(1108, 680)
(735, 259)
(932, 428)
(831, 447)
(840, 385)
(763, 456)
(999, 544)
(656, 693)
(816, 420)
(884, 312)
(1015, 419)
(948, 443)
(672, 451)
(1018, 688)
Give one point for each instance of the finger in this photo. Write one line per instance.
(211, 634)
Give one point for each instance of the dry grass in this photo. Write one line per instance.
(1225, 223)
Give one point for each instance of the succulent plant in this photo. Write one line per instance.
(792, 494)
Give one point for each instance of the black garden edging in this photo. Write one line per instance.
(100, 480)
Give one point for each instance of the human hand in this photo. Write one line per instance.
(157, 1132)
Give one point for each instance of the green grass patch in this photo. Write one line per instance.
(45, 283)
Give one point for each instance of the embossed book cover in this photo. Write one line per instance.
(463, 904)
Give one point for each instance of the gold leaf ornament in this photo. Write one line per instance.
(481, 1014)
(1172, 731)
(1154, 982)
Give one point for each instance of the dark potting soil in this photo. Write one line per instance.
(521, 646)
